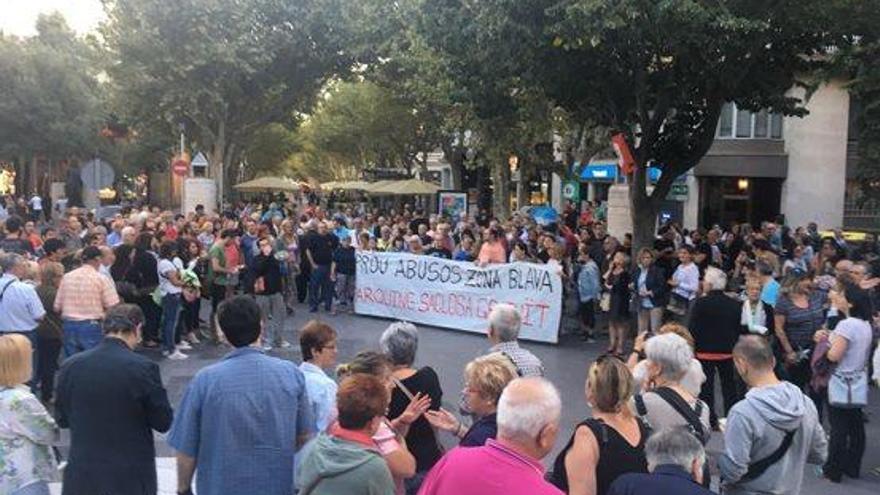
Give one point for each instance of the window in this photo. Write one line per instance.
(761, 124)
(725, 122)
(743, 123)
(734, 123)
(776, 126)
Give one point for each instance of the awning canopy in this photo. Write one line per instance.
(414, 187)
(263, 184)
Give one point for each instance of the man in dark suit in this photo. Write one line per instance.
(112, 399)
(675, 461)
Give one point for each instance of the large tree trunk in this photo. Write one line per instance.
(643, 210)
(501, 190)
(456, 165)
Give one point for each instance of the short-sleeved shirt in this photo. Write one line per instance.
(802, 323)
(219, 253)
(240, 419)
(858, 336)
(322, 394)
(85, 294)
(20, 306)
(165, 266)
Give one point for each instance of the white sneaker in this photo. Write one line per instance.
(267, 347)
(285, 344)
(184, 346)
(177, 356)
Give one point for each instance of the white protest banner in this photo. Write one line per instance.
(457, 295)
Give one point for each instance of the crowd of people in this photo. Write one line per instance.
(783, 320)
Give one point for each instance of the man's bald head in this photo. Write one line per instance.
(528, 415)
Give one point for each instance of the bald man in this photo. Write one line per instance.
(528, 422)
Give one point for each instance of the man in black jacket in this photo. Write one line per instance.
(112, 399)
(715, 325)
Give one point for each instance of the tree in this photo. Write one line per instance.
(428, 53)
(658, 71)
(50, 97)
(859, 64)
(225, 68)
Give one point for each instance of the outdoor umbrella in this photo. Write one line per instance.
(414, 187)
(262, 184)
(544, 215)
(353, 185)
(373, 186)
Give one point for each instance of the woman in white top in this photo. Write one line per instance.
(850, 348)
(170, 288)
(685, 281)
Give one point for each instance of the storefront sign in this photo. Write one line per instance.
(457, 295)
(678, 192)
(571, 190)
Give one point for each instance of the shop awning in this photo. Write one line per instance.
(599, 171)
(607, 171)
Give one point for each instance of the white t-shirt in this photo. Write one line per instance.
(36, 203)
(165, 266)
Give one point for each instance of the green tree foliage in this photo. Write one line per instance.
(50, 96)
(225, 68)
(358, 126)
(659, 71)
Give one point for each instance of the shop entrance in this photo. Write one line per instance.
(729, 200)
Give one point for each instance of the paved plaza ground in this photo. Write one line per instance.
(447, 351)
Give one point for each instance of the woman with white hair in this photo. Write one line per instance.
(715, 325)
(666, 402)
(399, 342)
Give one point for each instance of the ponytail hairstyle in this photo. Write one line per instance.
(367, 362)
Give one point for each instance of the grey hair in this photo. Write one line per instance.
(399, 342)
(523, 415)
(676, 446)
(716, 278)
(505, 320)
(671, 353)
(9, 261)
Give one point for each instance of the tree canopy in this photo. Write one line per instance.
(51, 101)
(224, 68)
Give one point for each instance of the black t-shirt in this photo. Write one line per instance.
(18, 246)
(439, 253)
(269, 268)
(420, 439)
(321, 247)
(345, 260)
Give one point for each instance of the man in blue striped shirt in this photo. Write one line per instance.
(241, 419)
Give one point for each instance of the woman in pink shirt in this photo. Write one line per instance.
(492, 251)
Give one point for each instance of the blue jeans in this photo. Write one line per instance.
(81, 335)
(170, 317)
(320, 288)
